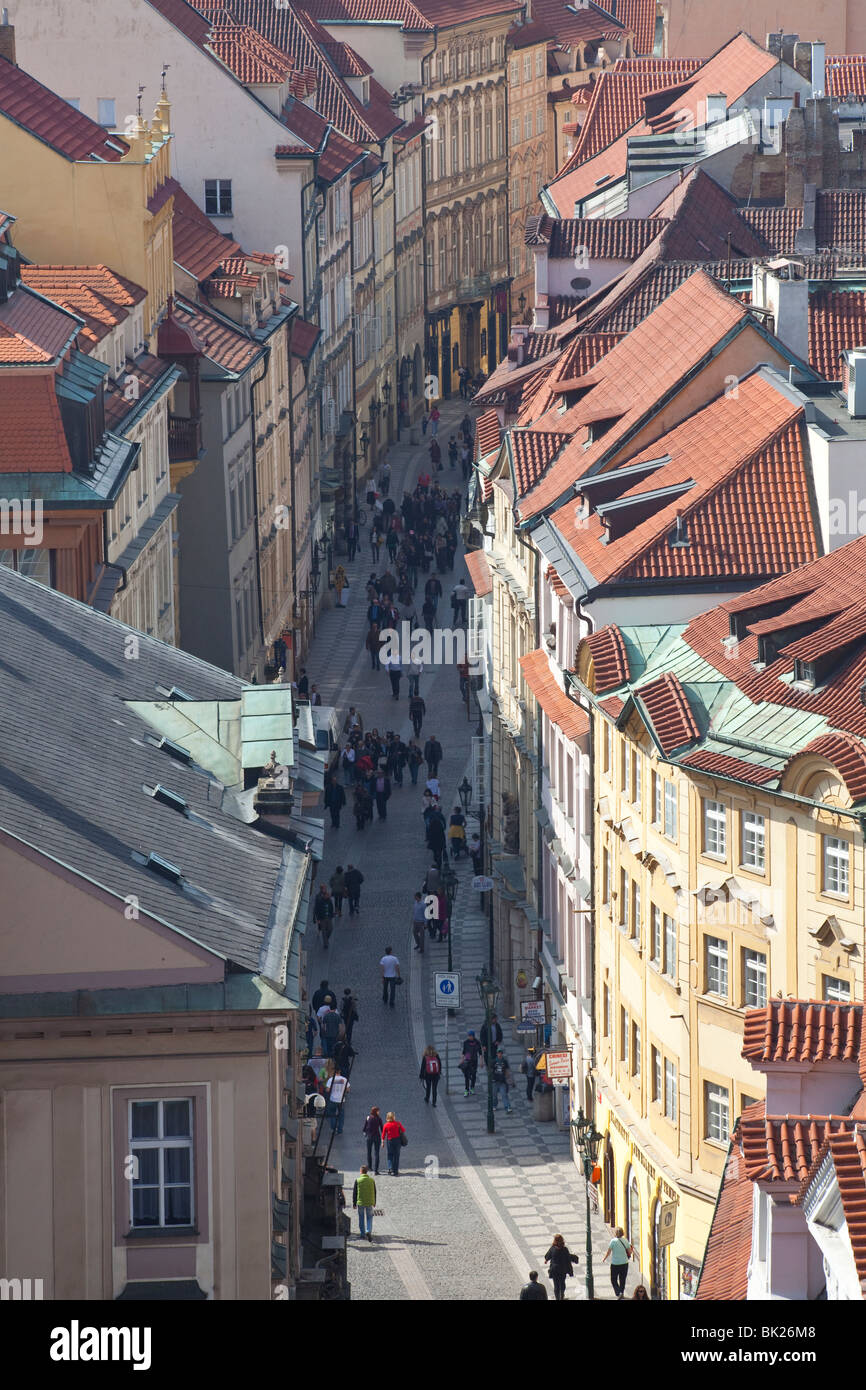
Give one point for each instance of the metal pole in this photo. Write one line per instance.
(590, 1286)
(491, 1123)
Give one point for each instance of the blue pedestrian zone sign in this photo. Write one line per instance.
(446, 989)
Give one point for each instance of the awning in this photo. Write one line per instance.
(162, 1291)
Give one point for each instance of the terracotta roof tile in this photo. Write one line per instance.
(404, 12)
(304, 338)
(777, 225)
(577, 359)
(222, 342)
(32, 439)
(725, 1272)
(32, 329)
(603, 238)
(783, 1148)
(347, 62)
(556, 583)
(849, 1160)
(554, 20)
(198, 247)
(52, 120)
(701, 216)
(488, 433)
(639, 16)
(94, 293)
(722, 765)
(845, 75)
(560, 710)
(479, 572)
(837, 321)
(613, 706)
(848, 756)
(338, 156)
(840, 219)
(532, 451)
(801, 1030)
(252, 59)
(609, 659)
(616, 100)
(670, 713)
(148, 370)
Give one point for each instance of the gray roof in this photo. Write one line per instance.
(74, 760)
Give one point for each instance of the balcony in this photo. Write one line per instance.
(184, 438)
(474, 287)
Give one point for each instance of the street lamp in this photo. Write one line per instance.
(588, 1139)
(488, 991)
(386, 392)
(521, 300)
(449, 882)
(465, 792)
(364, 442)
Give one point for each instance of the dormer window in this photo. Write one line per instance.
(805, 674)
(680, 533)
(365, 91)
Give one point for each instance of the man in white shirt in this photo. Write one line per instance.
(390, 975)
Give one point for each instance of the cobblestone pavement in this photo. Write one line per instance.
(470, 1212)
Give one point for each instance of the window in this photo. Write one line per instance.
(527, 125)
(539, 120)
(160, 1139)
(835, 866)
(834, 990)
(527, 67)
(717, 1109)
(539, 62)
(75, 102)
(218, 197)
(656, 936)
(624, 1037)
(635, 909)
(715, 829)
(753, 841)
(716, 965)
(754, 979)
(623, 899)
(636, 779)
(605, 870)
(635, 1049)
(670, 963)
(608, 746)
(514, 72)
(105, 112)
(606, 1013)
(670, 809)
(626, 770)
(670, 1089)
(515, 130)
(656, 1075)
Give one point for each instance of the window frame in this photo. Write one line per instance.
(669, 935)
(713, 1105)
(161, 1143)
(843, 845)
(671, 1081)
(717, 971)
(656, 937)
(747, 816)
(758, 1002)
(671, 804)
(831, 996)
(219, 185)
(716, 818)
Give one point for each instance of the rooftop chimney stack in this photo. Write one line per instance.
(7, 38)
(781, 287)
(855, 362)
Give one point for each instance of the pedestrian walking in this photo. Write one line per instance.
(457, 832)
(496, 1030)
(417, 711)
(436, 836)
(395, 675)
(353, 723)
(425, 420)
(373, 644)
(347, 760)
(385, 478)
(383, 793)
(349, 1013)
(533, 1290)
(390, 975)
(434, 421)
(330, 1025)
(460, 598)
(431, 1070)
(337, 884)
(452, 452)
(372, 1132)
(619, 1252)
(303, 682)
(435, 456)
(335, 800)
(469, 1062)
(352, 539)
(502, 1081)
(375, 543)
(415, 669)
(560, 1262)
(315, 697)
(394, 1139)
(321, 994)
(414, 758)
(336, 1109)
(354, 879)
(341, 584)
(527, 1066)
(323, 914)
(362, 809)
(419, 921)
(364, 1200)
(433, 755)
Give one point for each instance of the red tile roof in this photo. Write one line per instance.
(148, 370)
(488, 433)
(252, 59)
(479, 572)
(725, 1273)
(53, 121)
(99, 296)
(640, 17)
(338, 156)
(186, 18)
(721, 765)
(32, 329)
(403, 12)
(701, 216)
(777, 225)
(304, 338)
(616, 101)
(837, 321)
(577, 360)
(222, 342)
(553, 19)
(847, 755)
(800, 1030)
(784, 1148)
(840, 219)
(560, 710)
(609, 659)
(670, 713)
(198, 247)
(613, 706)
(347, 62)
(849, 1160)
(845, 75)
(556, 583)
(599, 238)
(32, 439)
(641, 370)
(532, 451)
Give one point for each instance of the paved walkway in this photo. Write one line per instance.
(470, 1212)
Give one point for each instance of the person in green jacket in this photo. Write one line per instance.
(364, 1199)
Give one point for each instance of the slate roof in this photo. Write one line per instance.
(75, 758)
(801, 1030)
(53, 121)
(560, 710)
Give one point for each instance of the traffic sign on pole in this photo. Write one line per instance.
(446, 989)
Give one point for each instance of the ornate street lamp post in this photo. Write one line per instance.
(450, 881)
(588, 1139)
(488, 991)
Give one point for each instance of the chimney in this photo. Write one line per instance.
(781, 287)
(805, 243)
(7, 38)
(855, 363)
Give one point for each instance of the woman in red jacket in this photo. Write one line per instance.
(392, 1138)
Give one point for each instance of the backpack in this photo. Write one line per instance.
(432, 1066)
(330, 1026)
(380, 784)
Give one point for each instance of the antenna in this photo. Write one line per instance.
(165, 68)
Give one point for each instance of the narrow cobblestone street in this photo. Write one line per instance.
(470, 1213)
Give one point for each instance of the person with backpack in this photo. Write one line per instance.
(349, 1012)
(394, 1139)
(414, 758)
(372, 1132)
(560, 1263)
(533, 1291)
(619, 1252)
(431, 1070)
(354, 879)
(323, 914)
(383, 792)
(330, 1025)
(469, 1063)
(502, 1080)
(417, 711)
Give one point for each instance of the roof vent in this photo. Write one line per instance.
(680, 533)
(163, 867)
(168, 798)
(175, 693)
(174, 750)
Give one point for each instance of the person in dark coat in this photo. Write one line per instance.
(383, 791)
(436, 836)
(354, 879)
(469, 1062)
(417, 711)
(335, 800)
(559, 1260)
(533, 1290)
(432, 755)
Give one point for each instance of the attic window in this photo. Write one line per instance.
(173, 749)
(175, 693)
(680, 533)
(163, 867)
(805, 674)
(168, 798)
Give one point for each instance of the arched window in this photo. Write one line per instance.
(660, 1258)
(632, 1210)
